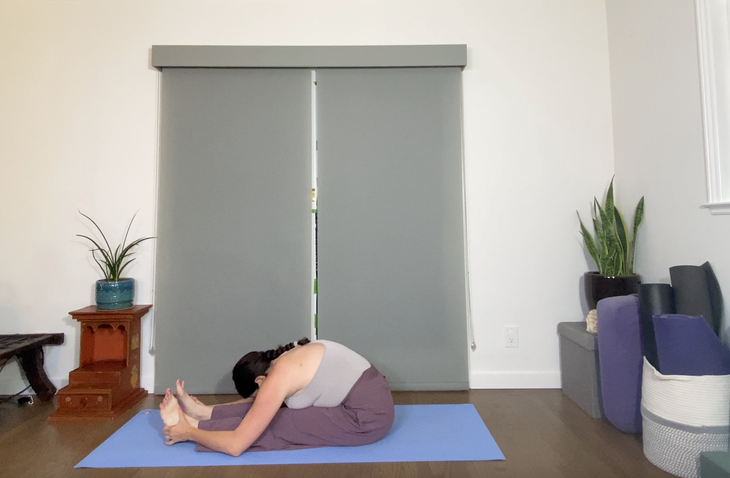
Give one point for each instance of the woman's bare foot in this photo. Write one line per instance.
(169, 408)
(192, 407)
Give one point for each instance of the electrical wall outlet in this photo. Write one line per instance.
(511, 337)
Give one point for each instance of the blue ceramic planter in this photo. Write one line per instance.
(114, 295)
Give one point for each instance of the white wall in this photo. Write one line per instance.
(78, 131)
(658, 136)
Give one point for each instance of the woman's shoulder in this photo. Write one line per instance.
(295, 369)
(302, 355)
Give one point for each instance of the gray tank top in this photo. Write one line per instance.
(337, 373)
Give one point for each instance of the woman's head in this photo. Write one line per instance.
(256, 364)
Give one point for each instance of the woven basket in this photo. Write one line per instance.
(675, 436)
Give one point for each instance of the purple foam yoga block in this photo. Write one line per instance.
(620, 361)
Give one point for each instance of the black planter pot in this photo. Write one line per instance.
(599, 287)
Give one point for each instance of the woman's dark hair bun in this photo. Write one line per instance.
(254, 364)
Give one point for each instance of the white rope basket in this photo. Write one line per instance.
(682, 417)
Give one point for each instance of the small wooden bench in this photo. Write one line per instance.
(29, 350)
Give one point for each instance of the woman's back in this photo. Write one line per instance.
(297, 367)
(338, 370)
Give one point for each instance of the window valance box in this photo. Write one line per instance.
(356, 56)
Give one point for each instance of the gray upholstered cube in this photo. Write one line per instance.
(579, 370)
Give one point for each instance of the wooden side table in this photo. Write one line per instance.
(106, 384)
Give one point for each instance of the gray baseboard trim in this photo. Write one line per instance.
(428, 387)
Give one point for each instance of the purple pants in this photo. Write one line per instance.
(364, 416)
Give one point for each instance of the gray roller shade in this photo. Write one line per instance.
(234, 220)
(390, 223)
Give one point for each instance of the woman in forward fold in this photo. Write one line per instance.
(333, 397)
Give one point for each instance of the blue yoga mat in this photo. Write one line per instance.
(419, 433)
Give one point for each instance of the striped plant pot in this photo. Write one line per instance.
(114, 295)
(683, 416)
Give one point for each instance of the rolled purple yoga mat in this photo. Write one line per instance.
(654, 299)
(693, 293)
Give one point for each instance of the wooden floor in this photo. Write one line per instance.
(542, 433)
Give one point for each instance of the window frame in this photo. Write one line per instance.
(714, 62)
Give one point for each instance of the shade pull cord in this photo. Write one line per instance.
(153, 326)
(467, 276)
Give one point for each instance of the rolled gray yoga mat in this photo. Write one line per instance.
(654, 299)
(715, 295)
(697, 292)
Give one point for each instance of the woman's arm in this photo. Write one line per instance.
(183, 431)
(269, 398)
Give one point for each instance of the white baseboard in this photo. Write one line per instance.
(147, 381)
(503, 380)
(11, 385)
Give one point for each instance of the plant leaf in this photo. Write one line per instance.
(123, 266)
(598, 226)
(638, 219)
(129, 226)
(108, 247)
(622, 239)
(590, 244)
(609, 204)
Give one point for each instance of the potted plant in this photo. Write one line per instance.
(113, 292)
(612, 248)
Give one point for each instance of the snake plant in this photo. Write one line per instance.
(612, 248)
(112, 261)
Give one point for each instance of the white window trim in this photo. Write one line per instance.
(714, 56)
